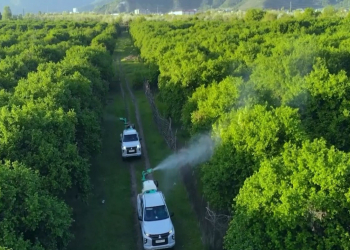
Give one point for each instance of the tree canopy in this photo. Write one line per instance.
(297, 200)
(54, 77)
(275, 90)
(7, 13)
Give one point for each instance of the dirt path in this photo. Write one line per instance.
(140, 127)
(131, 167)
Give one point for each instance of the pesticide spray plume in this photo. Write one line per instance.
(199, 150)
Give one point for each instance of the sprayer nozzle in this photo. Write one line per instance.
(145, 172)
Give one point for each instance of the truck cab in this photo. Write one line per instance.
(130, 142)
(155, 220)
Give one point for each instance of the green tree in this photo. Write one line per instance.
(7, 13)
(31, 218)
(328, 11)
(299, 200)
(249, 135)
(300, 68)
(279, 75)
(254, 15)
(309, 13)
(53, 86)
(5, 248)
(270, 16)
(207, 104)
(328, 108)
(43, 139)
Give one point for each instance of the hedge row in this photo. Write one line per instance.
(53, 84)
(277, 92)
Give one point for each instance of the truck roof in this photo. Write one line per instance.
(153, 199)
(130, 132)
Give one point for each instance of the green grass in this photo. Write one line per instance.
(121, 53)
(185, 221)
(110, 225)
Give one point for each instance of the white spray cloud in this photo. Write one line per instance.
(199, 150)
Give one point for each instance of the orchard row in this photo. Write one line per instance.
(53, 83)
(277, 92)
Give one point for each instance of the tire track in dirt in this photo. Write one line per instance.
(131, 167)
(139, 123)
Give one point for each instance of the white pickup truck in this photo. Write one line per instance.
(130, 142)
(155, 221)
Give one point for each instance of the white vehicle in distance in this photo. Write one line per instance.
(156, 226)
(130, 142)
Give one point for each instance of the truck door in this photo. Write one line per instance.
(121, 141)
(141, 214)
(139, 205)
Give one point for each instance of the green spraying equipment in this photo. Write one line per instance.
(144, 181)
(126, 123)
(146, 172)
(124, 120)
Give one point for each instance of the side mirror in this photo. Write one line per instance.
(140, 139)
(171, 214)
(140, 218)
(120, 140)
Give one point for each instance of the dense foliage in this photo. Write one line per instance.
(277, 93)
(53, 83)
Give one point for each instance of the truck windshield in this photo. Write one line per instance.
(156, 213)
(132, 137)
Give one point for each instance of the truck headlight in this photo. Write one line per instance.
(146, 234)
(124, 148)
(138, 146)
(170, 231)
